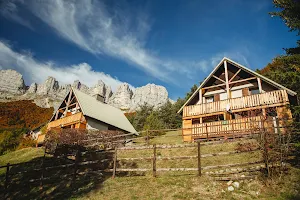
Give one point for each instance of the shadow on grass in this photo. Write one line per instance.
(58, 183)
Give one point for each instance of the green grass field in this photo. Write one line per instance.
(167, 185)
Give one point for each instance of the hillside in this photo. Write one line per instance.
(167, 185)
(23, 114)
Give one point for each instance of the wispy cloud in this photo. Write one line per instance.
(9, 10)
(37, 71)
(114, 31)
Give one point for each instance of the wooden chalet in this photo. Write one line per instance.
(234, 100)
(81, 111)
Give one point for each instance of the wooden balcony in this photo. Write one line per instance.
(235, 126)
(264, 99)
(66, 121)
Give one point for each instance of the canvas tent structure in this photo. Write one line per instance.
(82, 111)
(223, 98)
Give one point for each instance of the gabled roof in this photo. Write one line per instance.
(267, 80)
(91, 107)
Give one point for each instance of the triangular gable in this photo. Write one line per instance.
(241, 67)
(70, 102)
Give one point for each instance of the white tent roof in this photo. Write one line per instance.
(91, 107)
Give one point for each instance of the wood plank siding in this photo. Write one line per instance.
(269, 99)
(77, 120)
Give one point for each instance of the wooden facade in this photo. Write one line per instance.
(234, 100)
(68, 115)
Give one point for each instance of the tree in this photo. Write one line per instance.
(154, 122)
(285, 70)
(192, 90)
(289, 13)
(139, 119)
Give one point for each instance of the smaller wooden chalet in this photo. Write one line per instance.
(235, 100)
(81, 111)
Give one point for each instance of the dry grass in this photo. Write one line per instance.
(180, 185)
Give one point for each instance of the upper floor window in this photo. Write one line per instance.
(254, 91)
(209, 99)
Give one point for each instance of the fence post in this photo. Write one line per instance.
(206, 132)
(199, 159)
(154, 160)
(266, 153)
(115, 163)
(42, 170)
(7, 176)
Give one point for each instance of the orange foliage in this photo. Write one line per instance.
(23, 114)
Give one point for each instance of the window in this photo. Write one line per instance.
(254, 91)
(209, 99)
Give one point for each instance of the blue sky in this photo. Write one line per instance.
(171, 43)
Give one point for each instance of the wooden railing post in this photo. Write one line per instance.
(199, 159)
(206, 132)
(154, 160)
(115, 163)
(7, 177)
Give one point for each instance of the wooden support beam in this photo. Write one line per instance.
(68, 103)
(259, 85)
(213, 86)
(226, 78)
(235, 75)
(56, 115)
(218, 78)
(242, 80)
(200, 96)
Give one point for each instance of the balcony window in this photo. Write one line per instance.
(209, 99)
(254, 91)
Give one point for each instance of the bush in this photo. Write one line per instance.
(154, 122)
(26, 142)
(10, 139)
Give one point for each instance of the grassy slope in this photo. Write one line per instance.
(187, 185)
(179, 185)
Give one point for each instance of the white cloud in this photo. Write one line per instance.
(114, 31)
(34, 70)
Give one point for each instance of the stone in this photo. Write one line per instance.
(243, 176)
(229, 183)
(153, 95)
(230, 188)
(32, 88)
(50, 86)
(236, 184)
(12, 82)
(122, 97)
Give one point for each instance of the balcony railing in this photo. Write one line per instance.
(263, 99)
(235, 126)
(65, 121)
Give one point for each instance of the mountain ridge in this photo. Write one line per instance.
(50, 93)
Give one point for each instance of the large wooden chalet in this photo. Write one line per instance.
(81, 111)
(234, 100)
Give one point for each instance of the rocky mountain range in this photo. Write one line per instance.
(50, 93)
